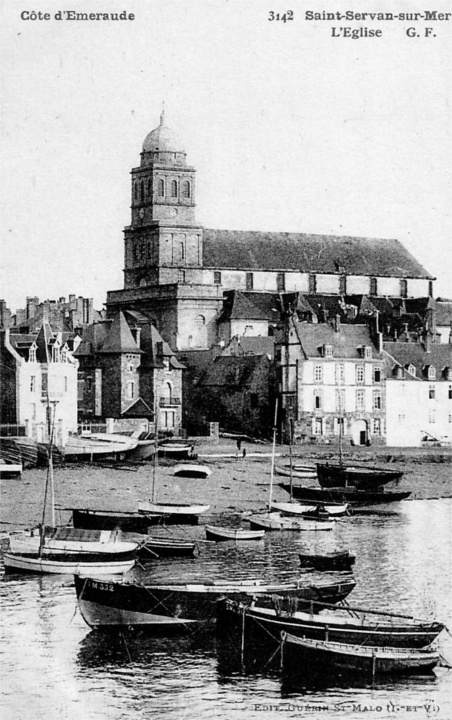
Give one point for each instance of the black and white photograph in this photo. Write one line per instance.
(226, 360)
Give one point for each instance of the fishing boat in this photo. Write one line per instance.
(178, 605)
(10, 469)
(336, 560)
(304, 655)
(277, 521)
(351, 495)
(357, 626)
(223, 533)
(359, 476)
(192, 471)
(46, 552)
(309, 509)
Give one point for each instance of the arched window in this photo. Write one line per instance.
(174, 188)
(161, 188)
(186, 189)
(149, 187)
(181, 251)
(142, 191)
(136, 191)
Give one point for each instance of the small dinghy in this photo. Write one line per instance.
(338, 560)
(309, 509)
(303, 654)
(221, 533)
(276, 521)
(192, 471)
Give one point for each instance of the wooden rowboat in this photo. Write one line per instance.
(357, 626)
(306, 509)
(303, 654)
(222, 533)
(338, 560)
(277, 521)
(192, 471)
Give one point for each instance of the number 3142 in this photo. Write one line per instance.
(282, 17)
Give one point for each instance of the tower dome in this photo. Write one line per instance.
(162, 139)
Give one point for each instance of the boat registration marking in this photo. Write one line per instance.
(108, 587)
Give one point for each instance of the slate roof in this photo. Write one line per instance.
(239, 305)
(139, 408)
(404, 354)
(301, 252)
(346, 343)
(444, 312)
(43, 340)
(120, 338)
(255, 345)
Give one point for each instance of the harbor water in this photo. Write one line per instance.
(52, 665)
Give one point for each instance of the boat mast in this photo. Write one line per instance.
(272, 472)
(290, 453)
(154, 464)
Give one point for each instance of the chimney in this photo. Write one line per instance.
(337, 322)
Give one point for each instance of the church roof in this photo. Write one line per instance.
(239, 305)
(249, 250)
(162, 139)
(120, 338)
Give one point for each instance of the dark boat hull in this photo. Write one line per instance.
(258, 627)
(350, 495)
(333, 561)
(300, 657)
(113, 604)
(110, 520)
(334, 476)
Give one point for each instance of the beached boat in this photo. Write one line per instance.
(153, 546)
(277, 521)
(257, 623)
(351, 495)
(223, 533)
(138, 522)
(336, 560)
(10, 469)
(309, 509)
(297, 471)
(177, 450)
(179, 605)
(173, 512)
(192, 471)
(96, 446)
(304, 655)
(359, 476)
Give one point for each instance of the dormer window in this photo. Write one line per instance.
(398, 372)
(328, 351)
(367, 352)
(64, 353)
(55, 353)
(447, 372)
(411, 369)
(430, 371)
(32, 354)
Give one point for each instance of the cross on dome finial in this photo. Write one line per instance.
(162, 114)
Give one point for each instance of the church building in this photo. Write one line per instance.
(176, 272)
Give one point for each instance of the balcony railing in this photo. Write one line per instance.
(168, 402)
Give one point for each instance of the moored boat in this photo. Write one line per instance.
(192, 471)
(177, 450)
(351, 495)
(138, 522)
(174, 512)
(178, 605)
(297, 471)
(10, 469)
(67, 563)
(304, 655)
(224, 533)
(277, 521)
(257, 623)
(336, 560)
(359, 476)
(306, 509)
(96, 446)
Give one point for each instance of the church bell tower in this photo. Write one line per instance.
(163, 237)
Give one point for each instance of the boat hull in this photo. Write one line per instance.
(297, 472)
(334, 561)
(192, 471)
(350, 495)
(110, 520)
(62, 565)
(173, 513)
(116, 604)
(275, 521)
(301, 654)
(371, 478)
(219, 534)
(258, 625)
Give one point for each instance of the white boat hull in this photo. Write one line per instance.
(276, 521)
(220, 533)
(22, 545)
(168, 509)
(41, 565)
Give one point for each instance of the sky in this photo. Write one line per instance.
(289, 128)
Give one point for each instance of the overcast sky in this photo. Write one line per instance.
(289, 128)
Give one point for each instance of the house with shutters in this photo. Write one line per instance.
(38, 388)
